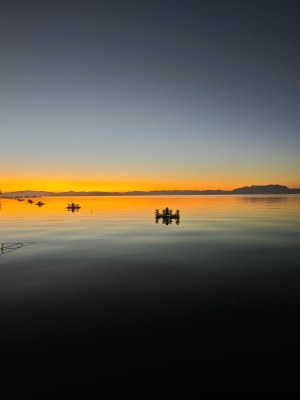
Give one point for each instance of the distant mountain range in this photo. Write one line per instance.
(267, 189)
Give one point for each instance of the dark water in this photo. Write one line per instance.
(106, 293)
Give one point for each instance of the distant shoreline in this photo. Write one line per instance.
(246, 190)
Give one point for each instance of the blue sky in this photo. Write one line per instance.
(154, 95)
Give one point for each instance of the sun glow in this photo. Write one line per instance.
(119, 185)
(124, 183)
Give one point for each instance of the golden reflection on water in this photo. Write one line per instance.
(122, 207)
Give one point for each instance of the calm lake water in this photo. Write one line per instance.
(108, 293)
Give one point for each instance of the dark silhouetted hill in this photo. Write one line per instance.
(28, 193)
(268, 189)
(251, 190)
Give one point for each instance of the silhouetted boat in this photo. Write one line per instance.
(167, 213)
(40, 203)
(30, 201)
(167, 216)
(73, 206)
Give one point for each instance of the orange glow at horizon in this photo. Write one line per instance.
(122, 185)
(54, 185)
(141, 177)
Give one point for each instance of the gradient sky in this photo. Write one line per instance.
(122, 95)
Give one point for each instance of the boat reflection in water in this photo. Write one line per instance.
(167, 216)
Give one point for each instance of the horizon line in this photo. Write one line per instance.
(151, 191)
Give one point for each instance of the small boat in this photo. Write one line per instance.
(167, 213)
(167, 216)
(73, 206)
(40, 203)
(30, 201)
(20, 199)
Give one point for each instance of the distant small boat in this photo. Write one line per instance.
(20, 199)
(167, 216)
(40, 203)
(167, 213)
(30, 201)
(73, 206)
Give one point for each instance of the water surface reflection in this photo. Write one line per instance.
(9, 247)
(108, 293)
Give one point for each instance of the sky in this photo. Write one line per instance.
(148, 95)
